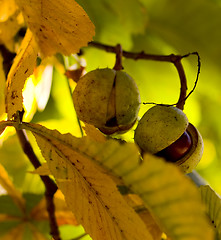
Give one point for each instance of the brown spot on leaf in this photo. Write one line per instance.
(14, 95)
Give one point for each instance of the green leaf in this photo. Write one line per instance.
(31, 200)
(213, 206)
(7, 226)
(8, 206)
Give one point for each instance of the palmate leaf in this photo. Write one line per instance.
(170, 196)
(213, 206)
(90, 193)
(58, 26)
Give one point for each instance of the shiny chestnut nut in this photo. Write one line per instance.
(178, 149)
(108, 99)
(166, 132)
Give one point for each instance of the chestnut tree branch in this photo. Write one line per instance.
(172, 58)
(50, 185)
(135, 56)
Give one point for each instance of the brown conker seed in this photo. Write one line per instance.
(178, 149)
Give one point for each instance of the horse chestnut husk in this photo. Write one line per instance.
(166, 132)
(108, 99)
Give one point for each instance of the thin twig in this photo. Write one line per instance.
(198, 71)
(50, 186)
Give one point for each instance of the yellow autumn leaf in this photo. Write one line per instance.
(58, 26)
(172, 199)
(11, 20)
(7, 184)
(94, 133)
(2, 89)
(8, 8)
(21, 69)
(89, 192)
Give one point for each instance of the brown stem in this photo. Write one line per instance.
(183, 89)
(50, 186)
(136, 56)
(119, 53)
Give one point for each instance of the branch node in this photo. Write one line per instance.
(119, 54)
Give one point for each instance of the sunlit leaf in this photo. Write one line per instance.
(43, 86)
(138, 205)
(22, 68)
(70, 232)
(89, 192)
(59, 26)
(2, 89)
(7, 184)
(37, 90)
(171, 197)
(213, 206)
(94, 133)
(10, 20)
(8, 7)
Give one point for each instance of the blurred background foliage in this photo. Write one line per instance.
(156, 27)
